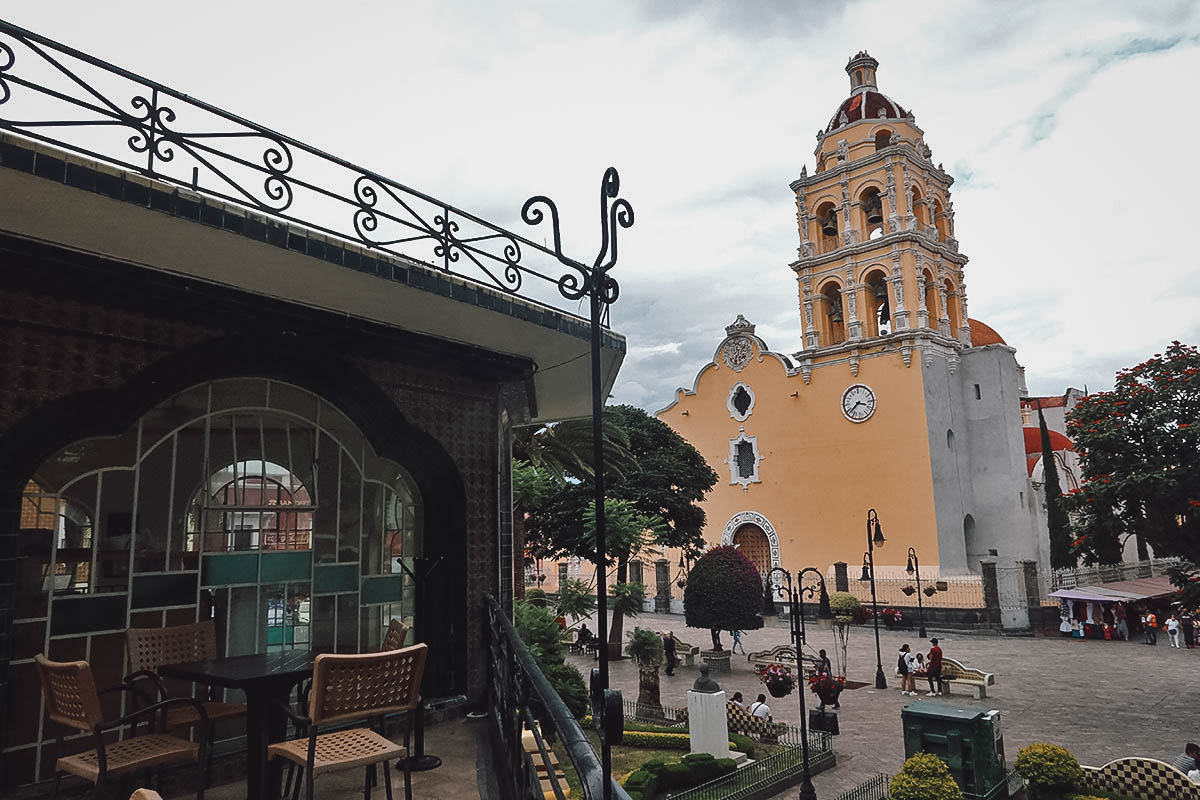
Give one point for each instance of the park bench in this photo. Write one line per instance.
(686, 652)
(954, 671)
(1140, 777)
(784, 654)
(742, 721)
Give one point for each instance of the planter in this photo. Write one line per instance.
(717, 660)
(780, 688)
(823, 721)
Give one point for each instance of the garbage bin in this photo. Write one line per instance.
(968, 740)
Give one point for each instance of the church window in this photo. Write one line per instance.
(871, 204)
(952, 313)
(858, 77)
(833, 320)
(950, 440)
(978, 394)
(883, 139)
(827, 227)
(740, 401)
(879, 320)
(743, 460)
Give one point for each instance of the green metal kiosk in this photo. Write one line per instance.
(968, 740)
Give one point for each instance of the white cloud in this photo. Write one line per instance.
(1071, 127)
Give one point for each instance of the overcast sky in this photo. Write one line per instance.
(1071, 130)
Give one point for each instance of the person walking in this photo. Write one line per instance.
(1151, 627)
(903, 669)
(669, 651)
(823, 665)
(737, 642)
(759, 708)
(935, 669)
(1187, 628)
(1173, 630)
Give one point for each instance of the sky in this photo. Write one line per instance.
(1068, 126)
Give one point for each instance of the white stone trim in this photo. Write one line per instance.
(733, 412)
(734, 477)
(754, 518)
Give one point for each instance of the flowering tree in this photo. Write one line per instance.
(1139, 446)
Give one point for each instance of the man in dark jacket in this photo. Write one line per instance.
(669, 651)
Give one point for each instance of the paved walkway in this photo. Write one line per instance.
(1101, 700)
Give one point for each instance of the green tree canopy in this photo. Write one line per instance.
(1139, 446)
(724, 592)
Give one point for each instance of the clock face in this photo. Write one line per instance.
(858, 403)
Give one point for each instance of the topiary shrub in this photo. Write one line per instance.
(568, 682)
(724, 593)
(1049, 770)
(657, 776)
(924, 777)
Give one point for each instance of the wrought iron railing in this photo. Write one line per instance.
(516, 687)
(873, 788)
(1107, 573)
(74, 101)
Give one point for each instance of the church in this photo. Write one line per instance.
(898, 401)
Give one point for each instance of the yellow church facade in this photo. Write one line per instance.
(897, 401)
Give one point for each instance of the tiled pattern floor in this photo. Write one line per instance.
(1101, 700)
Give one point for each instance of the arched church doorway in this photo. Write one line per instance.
(753, 543)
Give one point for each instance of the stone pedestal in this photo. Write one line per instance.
(708, 725)
(717, 660)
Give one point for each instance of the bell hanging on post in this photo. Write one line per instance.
(874, 209)
(835, 309)
(829, 224)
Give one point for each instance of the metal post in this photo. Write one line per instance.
(807, 792)
(598, 498)
(873, 527)
(920, 607)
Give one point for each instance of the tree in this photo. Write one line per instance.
(846, 611)
(646, 649)
(724, 592)
(1061, 556)
(659, 490)
(1139, 447)
(576, 599)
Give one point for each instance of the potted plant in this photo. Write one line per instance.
(827, 688)
(930, 591)
(779, 680)
(909, 591)
(891, 617)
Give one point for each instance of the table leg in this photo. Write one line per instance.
(265, 724)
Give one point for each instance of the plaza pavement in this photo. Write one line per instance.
(1101, 700)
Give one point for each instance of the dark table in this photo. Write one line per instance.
(264, 678)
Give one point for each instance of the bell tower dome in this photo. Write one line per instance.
(877, 255)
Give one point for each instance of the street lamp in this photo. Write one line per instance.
(874, 539)
(914, 565)
(795, 597)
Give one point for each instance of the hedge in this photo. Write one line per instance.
(657, 775)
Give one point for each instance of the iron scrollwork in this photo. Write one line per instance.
(66, 98)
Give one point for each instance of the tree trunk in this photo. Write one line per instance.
(648, 686)
(716, 639)
(616, 631)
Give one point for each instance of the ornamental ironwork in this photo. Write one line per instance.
(58, 95)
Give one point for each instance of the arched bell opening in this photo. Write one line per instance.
(919, 209)
(827, 227)
(952, 310)
(870, 205)
(878, 304)
(882, 139)
(941, 222)
(833, 323)
(932, 307)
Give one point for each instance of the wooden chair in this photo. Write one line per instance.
(72, 701)
(150, 648)
(394, 638)
(353, 688)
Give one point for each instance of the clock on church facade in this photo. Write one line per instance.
(897, 400)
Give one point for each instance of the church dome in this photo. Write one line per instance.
(865, 100)
(1033, 441)
(983, 334)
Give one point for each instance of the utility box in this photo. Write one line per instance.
(968, 740)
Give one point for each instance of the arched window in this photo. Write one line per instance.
(826, 234)
(833, 320)
(952, 310)
(932, 305)
(882, 139)
(870, 205)
(950, 440)
(879, 317)
(940, 221)
(919, 209)
(253, 505)
(975, 548)
(740, 401)
(858, 77)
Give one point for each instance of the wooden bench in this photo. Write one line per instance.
(954, 671)
(784, 654)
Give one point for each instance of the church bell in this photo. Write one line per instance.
(829, 224)
(874, 210)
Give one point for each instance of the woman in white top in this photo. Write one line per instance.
(913, 665)
(1173, 630)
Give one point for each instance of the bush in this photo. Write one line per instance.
(540, 633)
(1049, 770)
(645, 648)
(568, 682)
(535, 597)
(846, 608)
(743, 744)
(657, 775)
(924, 777)
(724, 592)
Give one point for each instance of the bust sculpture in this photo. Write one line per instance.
(705, 684)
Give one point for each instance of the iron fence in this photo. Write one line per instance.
(959, 591)
(1108, 573)
(515, 689)
(58, 95)
(656, 715)
(765, 773)
(873, 788)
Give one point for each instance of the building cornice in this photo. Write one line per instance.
(904, 150)
(885, 241)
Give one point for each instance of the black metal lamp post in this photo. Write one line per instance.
(795, 597)
(914, 566)
(874, 539)
(602, 291)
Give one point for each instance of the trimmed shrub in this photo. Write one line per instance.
(724, 592)
(568, 682)
(657, 775)
(846, 608)
(743, 744)
(924, 777)
(1049, 770)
